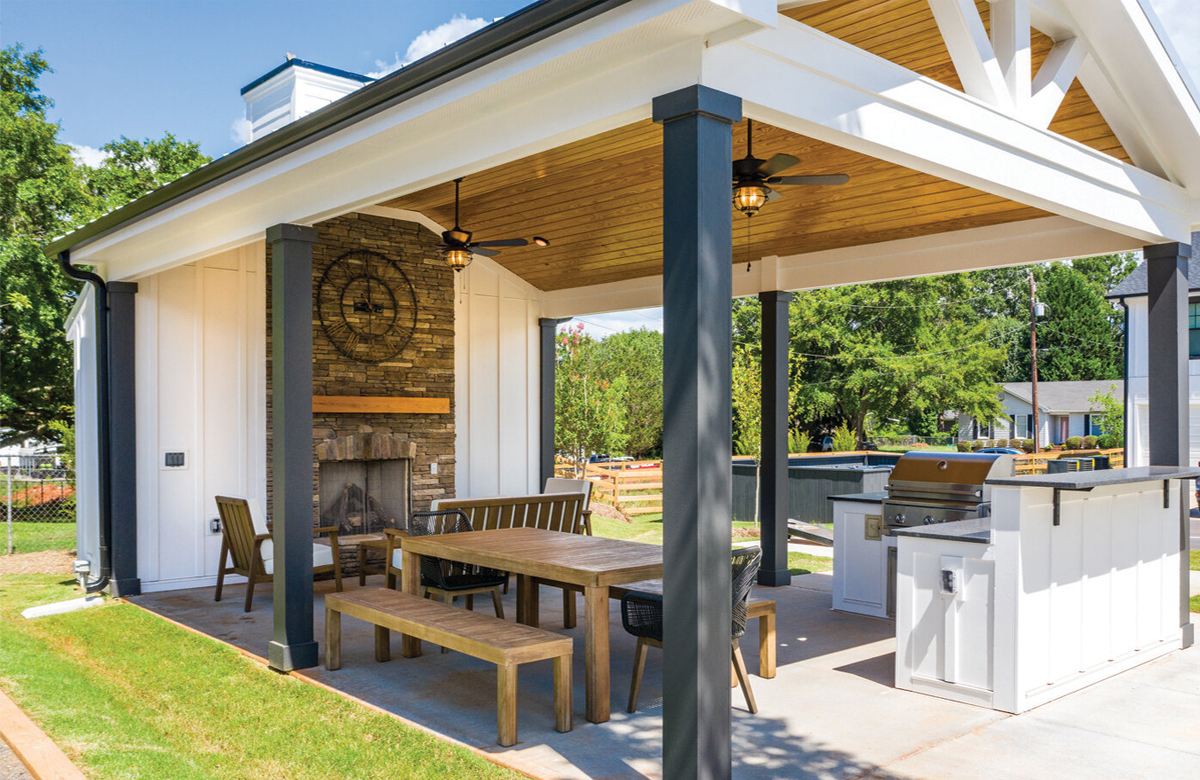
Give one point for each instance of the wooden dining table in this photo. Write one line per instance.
(587, 562)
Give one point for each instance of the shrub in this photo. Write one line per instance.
(977, 445)
(843, 439)
(963, 446)
(1107, 442)
(1074, 443)
(991, 442)
(1027, 445)
(799, 441)
(1016, 444)
(1089, 442)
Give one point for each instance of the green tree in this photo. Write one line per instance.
(747, 403)
(134, 168)
(638, 357)
(41, 196)
(1113, 410)
(1080, 339)
(44, 193)
(589, 409)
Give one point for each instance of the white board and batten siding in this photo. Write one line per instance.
(1137, 413)
(201, 385)
(81, 332)
(496, 354)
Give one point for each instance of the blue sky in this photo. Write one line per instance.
(144, 67)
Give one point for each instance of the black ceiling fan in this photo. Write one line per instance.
(458, 246)
(752, 177)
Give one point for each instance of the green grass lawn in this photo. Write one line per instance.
(1195, 566)
(648, 529)
(128, 695)
(35, 536)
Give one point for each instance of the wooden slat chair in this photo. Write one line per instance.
(245, 536)
(560, 485)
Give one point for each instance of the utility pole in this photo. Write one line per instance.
(1037, 444)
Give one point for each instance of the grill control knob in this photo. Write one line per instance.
(928, 519)
(899, 518)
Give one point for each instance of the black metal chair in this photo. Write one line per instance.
(642, 616)
(449, 579)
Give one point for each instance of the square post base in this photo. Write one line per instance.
(285, 658)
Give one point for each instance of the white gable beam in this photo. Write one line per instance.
(802, 80)
(1016, 243)
(972, 52)
(1053, 81)
(1013, 49)
(1126, 125)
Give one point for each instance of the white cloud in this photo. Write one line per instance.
(430, 41)
(87, 155)
(602, 325)
(239, 130)
(1181, 21)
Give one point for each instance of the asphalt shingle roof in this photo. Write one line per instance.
(1063, 397)
(1135, 284)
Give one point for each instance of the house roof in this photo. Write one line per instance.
(1065, 397)
(297, 63)
(1135, 285)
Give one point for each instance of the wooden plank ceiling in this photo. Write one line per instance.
(599, 200)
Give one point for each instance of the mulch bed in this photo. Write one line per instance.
(47, 562)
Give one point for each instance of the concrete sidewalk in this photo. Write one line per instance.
(830, 713)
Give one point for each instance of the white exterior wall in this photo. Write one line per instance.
(81, 332)
(1137, 415)
(201, 385)
(296, 92)
(496, 390)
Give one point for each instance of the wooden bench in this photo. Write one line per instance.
(505, 644)
(762, 609)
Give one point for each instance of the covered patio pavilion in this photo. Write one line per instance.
(975, 135)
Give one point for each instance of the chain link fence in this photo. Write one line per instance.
(38, 495)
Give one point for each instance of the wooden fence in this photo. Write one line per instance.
(634, 487)
(1035, 463)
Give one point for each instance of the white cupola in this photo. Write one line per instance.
(292, 90)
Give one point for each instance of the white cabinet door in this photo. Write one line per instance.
(860, 577)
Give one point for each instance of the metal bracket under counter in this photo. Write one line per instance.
(1058, 491)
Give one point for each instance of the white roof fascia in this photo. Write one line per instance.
(595, 76)
(803, 80)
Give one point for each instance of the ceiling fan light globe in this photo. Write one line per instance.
(456, 257)
(749, 198)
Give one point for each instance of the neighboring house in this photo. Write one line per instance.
(1064, 410)
(1132, 294)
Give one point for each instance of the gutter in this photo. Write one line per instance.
(526, 27)
(104, 460)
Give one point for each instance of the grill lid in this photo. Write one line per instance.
(946, 468)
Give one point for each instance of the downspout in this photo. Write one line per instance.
(104, 461)
(1125, 389)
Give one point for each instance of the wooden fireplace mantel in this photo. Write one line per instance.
(365, 404)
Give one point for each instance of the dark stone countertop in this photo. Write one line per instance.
(861, 498)
(977, 530)
(1086, 480)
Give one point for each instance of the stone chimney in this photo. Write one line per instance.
(292, 90)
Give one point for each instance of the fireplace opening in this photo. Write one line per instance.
(364, 496)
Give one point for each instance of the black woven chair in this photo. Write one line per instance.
(642, 616)
(449, 579)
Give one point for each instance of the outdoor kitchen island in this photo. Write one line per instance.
(1072, 579)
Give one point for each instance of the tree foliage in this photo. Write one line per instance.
(1112, 423)
(747, 403)
(44, 194)
(589, 409)
(637, 356)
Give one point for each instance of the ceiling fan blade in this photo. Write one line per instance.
(773, 195)
(502, 242)
(778, 164)
(476, 250)
(832, 180)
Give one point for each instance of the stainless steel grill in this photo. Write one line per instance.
(942, 487)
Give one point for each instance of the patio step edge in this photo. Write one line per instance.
(41, 756)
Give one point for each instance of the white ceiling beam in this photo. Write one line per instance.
(1011, 44)
(802, 80)
(972, 52)
(1053, 80)
(1016, 243)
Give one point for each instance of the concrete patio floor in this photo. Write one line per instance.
(831, 712)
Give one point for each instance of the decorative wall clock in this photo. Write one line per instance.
(367, 306)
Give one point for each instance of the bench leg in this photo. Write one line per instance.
(383, 644)
(569, 617)
(362, 565)
(766, 646)
(448, 600)
(506, 705)
(410, 578)
(333, 639)
(563, 712)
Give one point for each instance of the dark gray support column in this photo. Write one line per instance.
(123, 440)
(697, 480)
(546, 332)
(292, 445)
(1167, 284)
(773, 471)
